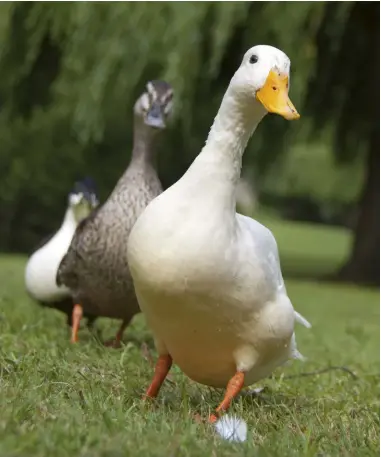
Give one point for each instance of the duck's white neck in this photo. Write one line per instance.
(69, 218)
(233, 126)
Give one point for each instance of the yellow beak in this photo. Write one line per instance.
(274, 96)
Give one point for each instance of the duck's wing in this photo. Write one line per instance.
(85, 236)
(267, 248)
(64, 268)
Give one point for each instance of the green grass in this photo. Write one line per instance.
(308, 250)
(84, 400)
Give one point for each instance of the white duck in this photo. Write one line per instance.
(208, 279)
(41, 268)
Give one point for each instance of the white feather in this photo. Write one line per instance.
(301, 320)
(231, 428)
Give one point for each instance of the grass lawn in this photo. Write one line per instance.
(84, 400)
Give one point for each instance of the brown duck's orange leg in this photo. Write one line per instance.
(121, 330)
(116, 342)
(234, 387)
(163, 365)
(76, 318)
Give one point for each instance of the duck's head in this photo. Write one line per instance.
(83, 198)
(155, 104)
(264, 76)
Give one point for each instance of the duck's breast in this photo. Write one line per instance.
(41, 269)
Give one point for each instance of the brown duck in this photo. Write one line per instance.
(95, 267)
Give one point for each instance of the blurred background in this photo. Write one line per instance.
(70, 74)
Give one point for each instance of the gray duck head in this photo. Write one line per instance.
(154, 106)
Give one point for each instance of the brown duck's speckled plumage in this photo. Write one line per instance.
(95, 267)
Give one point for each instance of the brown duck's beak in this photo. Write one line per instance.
(155, 117)
(274, 96)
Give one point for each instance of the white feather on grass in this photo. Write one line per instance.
(231, 428)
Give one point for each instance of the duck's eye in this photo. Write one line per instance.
(253, 59)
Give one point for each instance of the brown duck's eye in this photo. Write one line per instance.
(253, 59)
(167, 97)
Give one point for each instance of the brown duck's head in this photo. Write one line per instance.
(154, 106)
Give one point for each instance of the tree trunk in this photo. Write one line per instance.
(363, 265)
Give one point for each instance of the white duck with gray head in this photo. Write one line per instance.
(95, 267)
(42, 266)
(208, 279)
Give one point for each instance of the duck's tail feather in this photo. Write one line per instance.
(301, 320)
(294, 353)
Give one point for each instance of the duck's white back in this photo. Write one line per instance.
(41, 269)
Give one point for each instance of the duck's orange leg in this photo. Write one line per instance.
(76, 318)
(163, 365)
(116, 342)
(233, 388)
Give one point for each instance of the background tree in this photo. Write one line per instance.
(344, 94)
(70, 73)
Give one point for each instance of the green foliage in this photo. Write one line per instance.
(345, 87)
(308, 170)
(70, 73)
